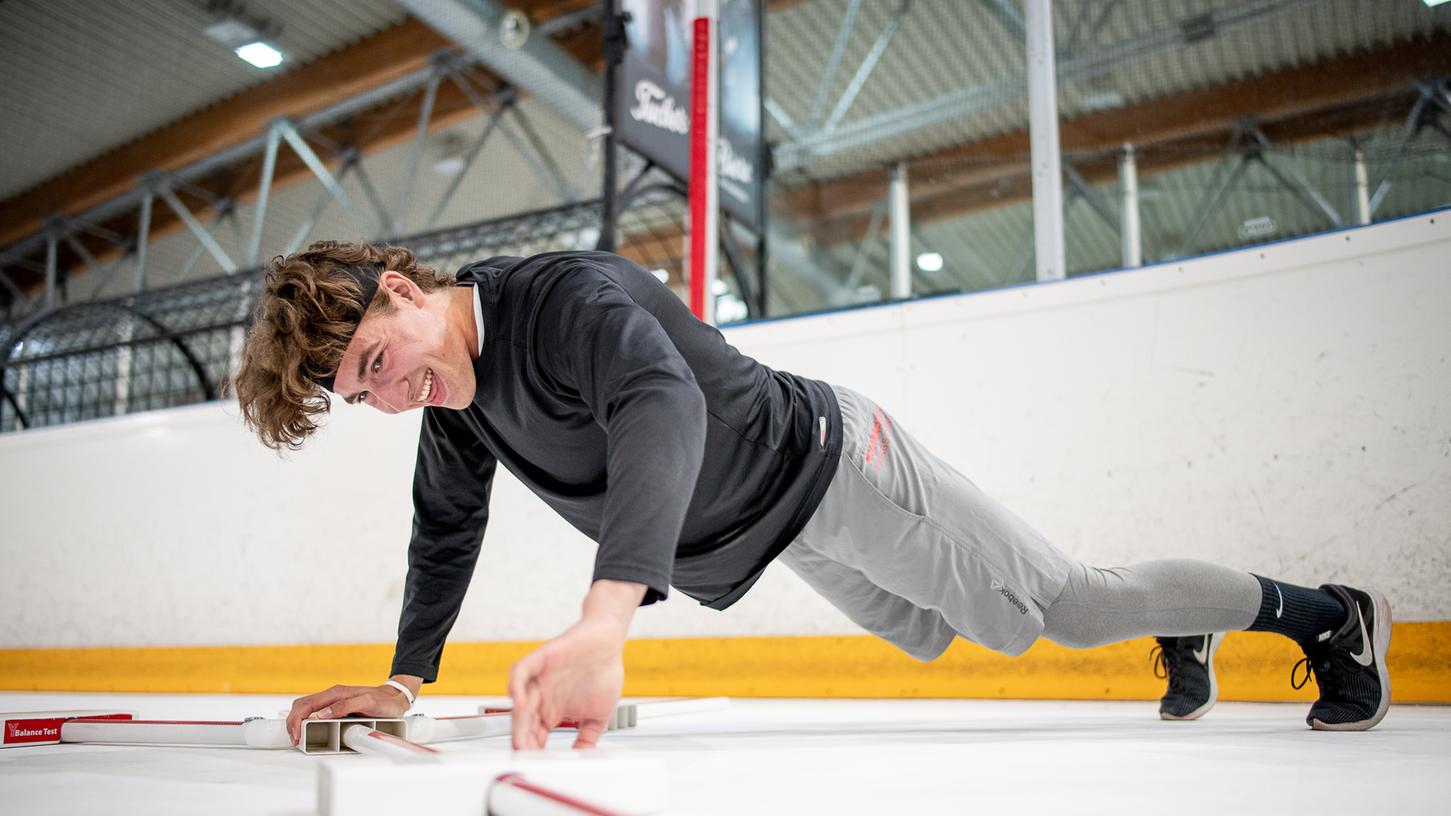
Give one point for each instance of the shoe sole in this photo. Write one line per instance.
(1214, 642)
(1382, 639)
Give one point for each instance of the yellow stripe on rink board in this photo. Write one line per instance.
(1251, 667)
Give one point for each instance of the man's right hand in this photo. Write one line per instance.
(340, 701)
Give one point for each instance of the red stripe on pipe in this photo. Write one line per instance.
(400, 742)
(699, 171)
(152, 722)
(488, 711)
(516, 781)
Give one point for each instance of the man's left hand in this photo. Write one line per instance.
(578, 675)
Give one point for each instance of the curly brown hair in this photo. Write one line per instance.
(305, 317)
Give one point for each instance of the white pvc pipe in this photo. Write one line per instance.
(258, 733)
(424, 729)
(367, 740)
(419, 729)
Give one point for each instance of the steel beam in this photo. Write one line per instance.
(869, 64)
(84, 254)
(469, 157)
(1409, 131)
(901, 207)
(420, 139)
(1090, 196)
(50, 270)
(315, 164)
(370, 192)
(143, 239)
(525, 153)
(561, 184)
(1049, 250)
(828, 77)
(1128, 185)
(349, 162)
(1362, 187)
(203, 237)
(16, 296)
(1292, 180)
(1009, 15)
(264, 190)
(538, 66)
(774, 109)
(104, 277)
(947, 107)
(863, 252)
(1215, 196)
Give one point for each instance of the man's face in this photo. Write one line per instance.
(410, 357)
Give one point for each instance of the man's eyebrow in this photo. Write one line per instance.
(362, 370)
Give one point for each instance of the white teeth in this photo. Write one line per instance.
(427, 386)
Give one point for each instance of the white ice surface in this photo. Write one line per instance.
(823, 756)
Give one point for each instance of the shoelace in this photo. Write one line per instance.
(1318, 665)
(1164, 666)
(1161, 664)
(1294, 670)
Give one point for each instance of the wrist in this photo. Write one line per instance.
(611, 604)
(408, 696)
(407, 685)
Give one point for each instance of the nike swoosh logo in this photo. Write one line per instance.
(1366, 656)
(1203, 656)
(1281, 607)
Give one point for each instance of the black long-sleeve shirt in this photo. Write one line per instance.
(688, 462)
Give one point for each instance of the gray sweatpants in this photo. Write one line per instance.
(912, 551)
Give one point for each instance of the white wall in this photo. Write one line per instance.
(1285, 410)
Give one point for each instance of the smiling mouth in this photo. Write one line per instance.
(427, 392)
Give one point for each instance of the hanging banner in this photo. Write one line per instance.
(652, 108)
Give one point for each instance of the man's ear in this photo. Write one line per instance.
(401, 287)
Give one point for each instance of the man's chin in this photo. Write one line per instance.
(458, 402)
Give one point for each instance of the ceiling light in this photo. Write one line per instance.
(260, 54)
(232, 32)
(929, 262)
(1434, 3)
(248, 36)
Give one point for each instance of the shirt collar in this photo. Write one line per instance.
(478, 317)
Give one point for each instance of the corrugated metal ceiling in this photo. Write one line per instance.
(946, 46)
(80, 80)
(82, 77)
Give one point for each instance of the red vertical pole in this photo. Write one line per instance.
(700, 175)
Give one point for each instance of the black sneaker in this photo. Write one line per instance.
(1188, 664)
(1349, 664)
